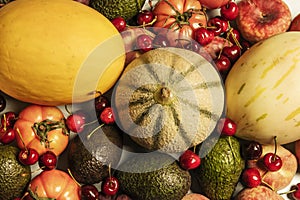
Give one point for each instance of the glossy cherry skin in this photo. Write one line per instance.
(7, 135)
(253, 151)
(189, 160)
(232, 52)
(48, 160)
(272, 162)
(101, 102)
(28, 156)
(193, 46)
(251, 177)
(144, 43)
(75, 122)
(107, 116)
(223, 64)
(161, 41)
(217, 25)
(110, 186)
(119, 23)
(296, 194)
(145, 17)
(234, 36)
(203, 36)
(8, 119)
(228, 126)
(229, 11)
(2, 103)
(89, 192)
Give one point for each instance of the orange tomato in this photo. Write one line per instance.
(183, 17)
(41, 128)
(55, 184)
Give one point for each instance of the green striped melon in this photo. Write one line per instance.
(169, 99)
(262, 90)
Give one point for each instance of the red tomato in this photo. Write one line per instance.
(180, 16)
(55, 184)
(213, 4)
(33, 124)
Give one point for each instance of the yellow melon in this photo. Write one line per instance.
(55, 52)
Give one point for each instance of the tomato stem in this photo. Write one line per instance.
(42, 128)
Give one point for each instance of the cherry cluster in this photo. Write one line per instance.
(251, 177)
(217, 26)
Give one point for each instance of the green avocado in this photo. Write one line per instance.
(14, 177)
(153, 176)
(220, 168)
(117, 8)
(91, 152)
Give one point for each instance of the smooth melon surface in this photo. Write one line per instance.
(54, 52)
(262, 90)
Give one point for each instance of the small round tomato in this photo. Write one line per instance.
(54, 184)
(41, 128)
(182, 17)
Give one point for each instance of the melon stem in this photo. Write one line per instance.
(164, 96)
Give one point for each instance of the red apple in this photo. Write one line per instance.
(258, 193)
(213, 4)
(258, 20)
(281, 178)
(295, 25)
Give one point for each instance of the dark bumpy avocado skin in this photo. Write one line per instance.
(89, 158)
(116, 8)
(153, 177)
(220, 169)
(14, 176)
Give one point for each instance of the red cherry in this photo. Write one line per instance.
(251, 177)
(296, 194)
(232, 52)
(48, 160)
(107, 116)
(75, 122)
(144, 43)
(2, 102)
(217, 25)
(161, 41)
(89, 192)
(119, 23)
(101, 102)
(145, 17)
(272, 162)
(223, 64)
(234, 36)
(7, 135)
(227, 126)
(28, 156)
(193, 46)
(8, 119)
(203, 36)
(110, 186)
(229, 11)
(189, 160)
(253, 150)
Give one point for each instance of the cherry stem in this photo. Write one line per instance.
(275, 151)
(70, 173)
(42, 128)
(109, 170)
(4, 117)
(97, 128)
(21, 138)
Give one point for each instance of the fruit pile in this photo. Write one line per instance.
(156, 132)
